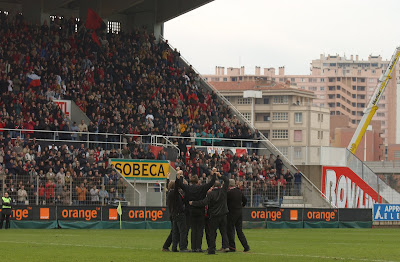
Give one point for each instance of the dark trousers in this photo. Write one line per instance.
(197, 227)
(235, 221)
(218, 222)
(179, 232)
(168, 241)
(207, 230)
(5, 214)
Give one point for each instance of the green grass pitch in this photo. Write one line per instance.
(145, 245)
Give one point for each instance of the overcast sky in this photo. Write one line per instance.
(290, 33)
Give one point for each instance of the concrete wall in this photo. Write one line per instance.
(313, 173)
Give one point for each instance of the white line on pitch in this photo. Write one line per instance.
(74, 245)
(324, 257)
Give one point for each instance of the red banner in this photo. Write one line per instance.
(345, 189)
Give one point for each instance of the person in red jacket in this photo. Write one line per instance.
(225, 167)
(42, 192)
(50, 192)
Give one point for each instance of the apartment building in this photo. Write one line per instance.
(342, 85)
(285, 115)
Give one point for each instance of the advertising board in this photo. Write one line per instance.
(142, 169)
(345, 189)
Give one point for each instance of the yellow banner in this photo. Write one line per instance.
(141, 169)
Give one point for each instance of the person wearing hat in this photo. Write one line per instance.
(236, 200)
(5, 210)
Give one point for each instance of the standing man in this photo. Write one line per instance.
(297, 183)
(289, 182)
(278, 166)
(217, 210)
(195, 192)
(236, 200)
(177, 211)
(6, 210)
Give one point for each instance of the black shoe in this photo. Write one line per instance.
(165, 250)
(184, 250)
(232, 250)
(194, 250)
(211, 253)
(175, 250)
(246, 249)
(199, 250)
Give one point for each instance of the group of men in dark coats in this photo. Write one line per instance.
(209, 206)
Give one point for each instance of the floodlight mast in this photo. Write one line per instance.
(370, 110)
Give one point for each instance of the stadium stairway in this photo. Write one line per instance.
(294, 202)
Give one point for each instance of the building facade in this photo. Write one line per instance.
(342, 85)
(286, 116)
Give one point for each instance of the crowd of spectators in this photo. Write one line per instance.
(262, 179)
(130, 84)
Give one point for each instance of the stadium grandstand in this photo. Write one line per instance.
(140, 98)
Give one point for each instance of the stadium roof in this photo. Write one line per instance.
(164, 10)
(254, 85)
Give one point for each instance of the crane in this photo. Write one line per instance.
(370, 110)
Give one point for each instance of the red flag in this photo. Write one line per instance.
(155, 93)
(155, 150)
(94, 21)
(95, 38)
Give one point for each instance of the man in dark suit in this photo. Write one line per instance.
(177, 210)
(216, 200)
(194, 192)
(236, 200)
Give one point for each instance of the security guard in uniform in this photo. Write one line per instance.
(6, 210)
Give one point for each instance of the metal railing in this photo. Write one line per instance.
(363, 171)
(65, 190)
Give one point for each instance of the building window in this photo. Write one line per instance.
(320, 134)
(247, 116)
(280, 134)
(280, 100)
(266, 101)
(298, 152)
(229, 98)
(321, 117)
(244, 101)
(312, 88)
(298, 135)
(283, 150)
(298, 117)
(267, 118)
(322, 88)
(322, 97)
(113, 27)
(225, 79)
(280, 116)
